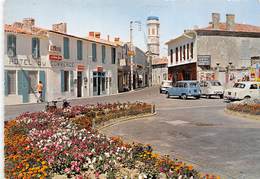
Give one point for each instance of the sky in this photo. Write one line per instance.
(112, 17)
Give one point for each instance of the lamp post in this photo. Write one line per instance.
(132, 51)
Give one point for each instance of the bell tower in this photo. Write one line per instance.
(153, 39)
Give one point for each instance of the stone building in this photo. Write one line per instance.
(69, 66)
(220, 51)
(159, 70)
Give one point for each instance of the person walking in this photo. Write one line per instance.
(40, 89)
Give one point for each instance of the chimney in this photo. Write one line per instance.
(230, 21)
(28, 23)
(97, 35)
(116, 39)
(91, 34)
(60, 27)
(215, 20)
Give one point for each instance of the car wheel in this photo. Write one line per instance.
(160, 91)
(197, 97)
(208, 96)
(247, 97)
(168, 96)
(221, 96)
(184, 96)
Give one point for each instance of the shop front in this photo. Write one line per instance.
(183, 72)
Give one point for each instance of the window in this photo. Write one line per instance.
(32, 81)
(188, 51)
(193, 85)
(184, 52)
(171, 53)
(191, 50)
(239, 85)
(66, 80)
(113, 55)
(253, 86)
(11, 81)
(79, 50)
(153, 31)
(35, 47)
(215, 83)
(180, 53)
(66, 48)
(94, 52)
(11, 45)
(176, 54)
(103, 53)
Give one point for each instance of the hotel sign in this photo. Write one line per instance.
(55, 57)
(204, 60)
(54, 49)
(80, 67)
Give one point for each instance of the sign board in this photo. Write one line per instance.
(204, 60)
(130, 53)
(54, 49)
(55, 57)
(80, 67)
(122, 62)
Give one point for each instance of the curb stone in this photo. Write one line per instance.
(241, 114)
(124, 119)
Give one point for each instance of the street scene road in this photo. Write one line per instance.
(195, 131)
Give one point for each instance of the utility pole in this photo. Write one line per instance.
(131, 56)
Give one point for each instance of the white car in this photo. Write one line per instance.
(165, 85)
(211, 88)
(243, 90)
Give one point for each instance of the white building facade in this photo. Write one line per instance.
(69, 66)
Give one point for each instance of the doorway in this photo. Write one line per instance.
(79, 84)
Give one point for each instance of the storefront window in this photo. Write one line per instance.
(66, 80)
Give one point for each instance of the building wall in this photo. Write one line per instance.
(159, 73)
(225, 49)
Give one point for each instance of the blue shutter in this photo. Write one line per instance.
(71, 81)
(66, 48)
(43, 80)
(94, 52)
(62, 80)
(33, 46)
(6, 83)
(103, 53)
(38, 47)
(79, 50)
(23, 86)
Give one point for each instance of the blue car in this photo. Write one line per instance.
(185, 89)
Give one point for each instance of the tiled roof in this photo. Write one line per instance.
(237, 28)
(33, 31)
(160, 61)
(98, 40)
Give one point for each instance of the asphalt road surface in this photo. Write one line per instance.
(196, 131)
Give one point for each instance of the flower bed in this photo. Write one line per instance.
(249, 108)
(42, 144)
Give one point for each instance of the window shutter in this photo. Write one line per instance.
(38, 47)
(25, 89)
(79, 50)
(103, 53)
(33, 47)
(6, 83)
(66, 47)
(94, 55)
(71, 80)
(20, 82)
(62, 80)
(43, 80)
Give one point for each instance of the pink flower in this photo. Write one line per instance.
(67, 170)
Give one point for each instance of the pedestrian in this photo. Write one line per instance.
(40, 89)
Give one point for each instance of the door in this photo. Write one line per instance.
(79, 84)
(99, 83)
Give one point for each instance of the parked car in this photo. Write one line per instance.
(185, 89)
(243, 90)
(165, 85)
(211, 88)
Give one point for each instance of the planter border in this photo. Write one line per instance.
(116, 121)
(242, 114)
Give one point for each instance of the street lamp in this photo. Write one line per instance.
(132, 50)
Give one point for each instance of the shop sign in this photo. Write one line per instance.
(62, 64)
(80, 67)
(26, 62)
(54, 49)
(122, 62)
(131, 53)
(99, 69)
(55, 57)
(203, 60)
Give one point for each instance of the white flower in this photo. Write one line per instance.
(107, 154)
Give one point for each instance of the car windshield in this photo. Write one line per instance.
(239, 85)
(192, 85)
(166, 83)
(215, 83)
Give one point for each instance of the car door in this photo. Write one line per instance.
(253, 90)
